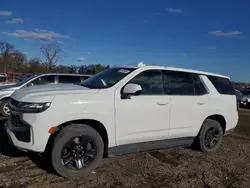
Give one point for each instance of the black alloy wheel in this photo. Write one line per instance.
(76, 150)
(78, 153)
(212, 137)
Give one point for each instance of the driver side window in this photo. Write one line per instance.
(151, 82)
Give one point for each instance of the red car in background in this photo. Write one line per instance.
(17, 74)
(13, 76)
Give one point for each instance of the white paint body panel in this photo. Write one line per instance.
(151, 122)
(187, 115)
(139, 119)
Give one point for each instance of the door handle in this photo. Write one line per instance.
(162, 103)
(200, 103)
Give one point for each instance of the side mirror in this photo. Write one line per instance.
(30, 84)
(131, 89)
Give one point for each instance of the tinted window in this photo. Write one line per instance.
(199, 87)
(66, 79)
(223, 85)
(178, 83)
(150, 81)
(44, 80)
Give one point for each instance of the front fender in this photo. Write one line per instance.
(3, 97)
(103, 119)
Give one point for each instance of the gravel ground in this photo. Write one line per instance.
(228, 167)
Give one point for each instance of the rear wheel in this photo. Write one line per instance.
(76, 151)
(4, 108)
(210, 136)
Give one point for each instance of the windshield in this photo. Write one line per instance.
(25, 80)
(107, 78)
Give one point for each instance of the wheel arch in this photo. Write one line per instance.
(220, 119)
(95, 124)
(4, 98)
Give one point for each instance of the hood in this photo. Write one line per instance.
(46, 93)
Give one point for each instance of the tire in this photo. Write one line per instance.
(68, 135)
(3, 106)
(207, 126)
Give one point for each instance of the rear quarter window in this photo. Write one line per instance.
(223, 85)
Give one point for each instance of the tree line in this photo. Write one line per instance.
(13, 60)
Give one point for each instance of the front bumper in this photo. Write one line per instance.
(30, 135)
(19, 137)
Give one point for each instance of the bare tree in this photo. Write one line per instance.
(51, 53)
(5, 50)
(12, 59)
(17, 61)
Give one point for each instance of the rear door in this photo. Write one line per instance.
(189, 101)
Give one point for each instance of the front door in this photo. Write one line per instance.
(145, 117)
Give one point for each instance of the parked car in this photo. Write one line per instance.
(245, 100)
(38, 79)
(122, 110)
(239, 97)
(3, 75)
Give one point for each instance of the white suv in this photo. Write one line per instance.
(120, 111)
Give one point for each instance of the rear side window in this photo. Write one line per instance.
(67, 79)
(223, 85)
(178, 83)
(199, 87)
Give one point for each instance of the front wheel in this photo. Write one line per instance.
(210, 136)
(76, 151)
(4, 108)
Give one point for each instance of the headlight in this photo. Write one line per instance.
(33, 107)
